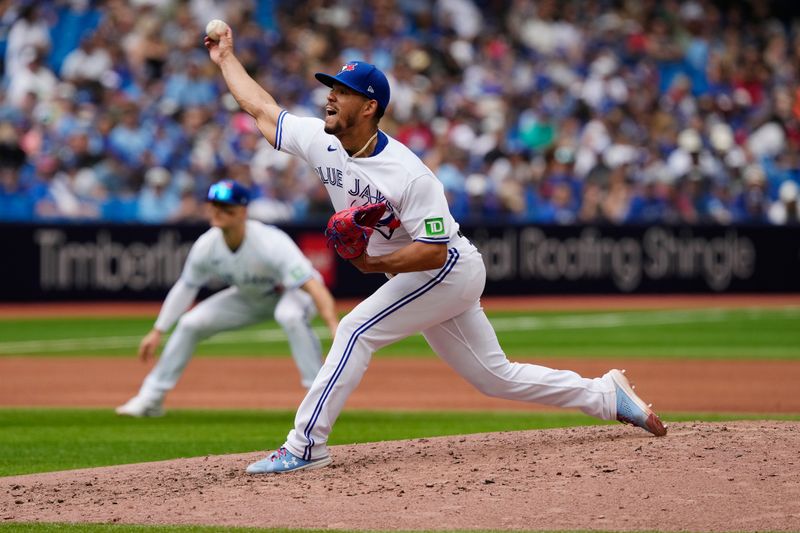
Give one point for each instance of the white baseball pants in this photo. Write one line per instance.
(445, 306)
(228, 310)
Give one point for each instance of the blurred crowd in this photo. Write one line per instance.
(552, 112)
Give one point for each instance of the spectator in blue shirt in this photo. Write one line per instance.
(157, 201)
(129, 138)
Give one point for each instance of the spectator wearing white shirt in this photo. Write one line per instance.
(785, 210)
(33, 78)
(31, 30)
(87, 63)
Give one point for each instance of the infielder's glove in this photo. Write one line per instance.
(349, 230)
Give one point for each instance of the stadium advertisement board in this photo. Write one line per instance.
(138, 262)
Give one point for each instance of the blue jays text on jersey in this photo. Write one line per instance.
(366, 192)
(333, 176)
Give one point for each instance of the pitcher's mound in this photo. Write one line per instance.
(734, 476)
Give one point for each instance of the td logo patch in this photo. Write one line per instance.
(434, 226)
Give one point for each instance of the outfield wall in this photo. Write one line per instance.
(140, 262)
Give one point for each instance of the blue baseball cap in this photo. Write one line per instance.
(364, 78)
(228, 192)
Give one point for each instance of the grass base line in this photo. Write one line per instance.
(500, 324)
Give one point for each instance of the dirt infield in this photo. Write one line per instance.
(701, 477)
(741, 476)
(672, 385)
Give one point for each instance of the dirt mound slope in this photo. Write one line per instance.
(741, 476)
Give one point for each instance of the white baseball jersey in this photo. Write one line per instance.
(394, 174)
(267, 261)
(443, 304)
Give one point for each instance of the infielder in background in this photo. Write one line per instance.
(436, 276)
(268, 276)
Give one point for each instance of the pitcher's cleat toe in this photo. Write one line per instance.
(631, 409)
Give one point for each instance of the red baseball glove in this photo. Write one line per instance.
(349, 230)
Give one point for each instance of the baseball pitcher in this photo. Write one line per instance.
(436, 276)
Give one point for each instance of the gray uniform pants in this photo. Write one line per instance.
(227, 310)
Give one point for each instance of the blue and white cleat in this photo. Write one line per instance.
(282, 461)
(631, 409)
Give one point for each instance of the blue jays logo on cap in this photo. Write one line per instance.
(364, 78)
(228, 192)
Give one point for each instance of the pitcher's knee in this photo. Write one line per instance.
(495, 383)
(347, 326)
(495, 388)
(352, 330)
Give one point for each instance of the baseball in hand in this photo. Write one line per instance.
(215, 29)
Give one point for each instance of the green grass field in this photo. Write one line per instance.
(40, 440)
(32, 440)
(701, 333)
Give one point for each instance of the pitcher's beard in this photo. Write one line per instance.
(340, 125)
